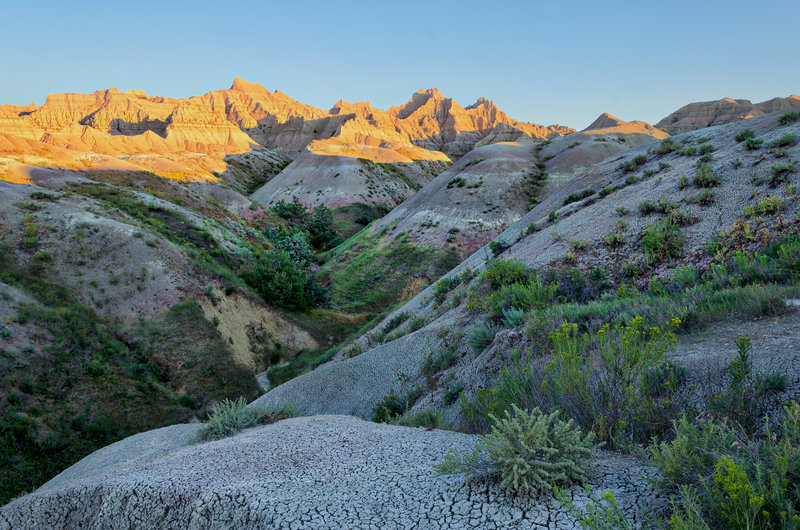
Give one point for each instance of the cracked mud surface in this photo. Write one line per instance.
(312, 472)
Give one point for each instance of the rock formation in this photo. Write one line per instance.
(707, 113)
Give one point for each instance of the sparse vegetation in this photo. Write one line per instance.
(233, 416)
(663, 240)
(744, 134)
(789, 117)
(577, 196)
(528, 450)
(786, 140)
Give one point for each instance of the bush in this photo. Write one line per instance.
(769, 205)
(577, 196)
(751, 144)
(704, 177)
(706, 197)
(389, 407)
(789, 118)
(663, 240)
(529, 451)
(481, 336)
(231, 417)
(614, 239)
(633, 163)
(706, 149)
(744, 134)
(280, 281)
(646, 207)
(502, 272)
(728, 480)
(785, 141)
(513, 317)
(524, 296)
(667, 146)
(426, 417)
(498, 246)
(780, 173)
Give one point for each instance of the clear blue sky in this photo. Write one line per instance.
(546, 62)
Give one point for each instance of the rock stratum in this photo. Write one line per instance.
(708, 113)
(312, 472)
(189, 139)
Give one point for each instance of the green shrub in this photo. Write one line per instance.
(608, 190)
(578, 244)
(389, 407)
(433, 364)
(785, 141)
(601, 513)
(416, 323)
(632, 179)
(452, 392)
(281, 281)
(498, 246)
(531, 452)
(481, 336)
(706, 149)
(633, 163)
(512, 317)
(744, 134)
(646, 207)
(614, 239)
(780, 173)
(395, 322)
(577, 196)
(667, 145)
(231, 417)
(533, 293)
(426, 417)
(728, 480)
(693, 450)
(706, 197)
(502, 272)
(704, 177)
(663, 240)
(769, 205)
(789, 118)
(751, 144)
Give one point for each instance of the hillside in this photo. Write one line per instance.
(606, 274)
(443, 319)
(709, 113)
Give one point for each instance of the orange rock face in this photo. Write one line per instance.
(189, 138)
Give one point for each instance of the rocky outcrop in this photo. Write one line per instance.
(707, 113)
(313, 472)
(189, 139)
(435, 122)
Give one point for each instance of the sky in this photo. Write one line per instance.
(562, 62)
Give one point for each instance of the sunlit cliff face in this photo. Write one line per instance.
(188, 139)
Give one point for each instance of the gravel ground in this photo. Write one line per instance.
(310, 472)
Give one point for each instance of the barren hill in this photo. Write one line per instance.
(707, 113)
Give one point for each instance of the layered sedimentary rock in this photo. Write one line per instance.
(190, 138)
(707, 113)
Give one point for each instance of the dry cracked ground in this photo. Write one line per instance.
(310, 472)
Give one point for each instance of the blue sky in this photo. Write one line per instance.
(545, 62)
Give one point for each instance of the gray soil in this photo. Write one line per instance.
(312, 472)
